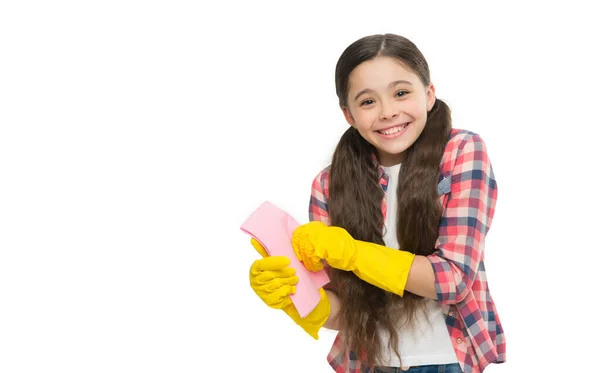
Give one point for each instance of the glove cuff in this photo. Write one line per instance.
(314, 321)
(383, 267)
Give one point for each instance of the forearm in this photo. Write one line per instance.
(421, 279)
(334, 304)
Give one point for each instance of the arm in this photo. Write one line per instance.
(421, 278)
(389, 269)
(448, 274)
(318, 211)
(466, 221)
(334, 304)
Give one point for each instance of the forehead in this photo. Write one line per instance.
(377, 73)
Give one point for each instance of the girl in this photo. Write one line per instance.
(399, 221)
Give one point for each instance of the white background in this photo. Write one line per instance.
(136, 137)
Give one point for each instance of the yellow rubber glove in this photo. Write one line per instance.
(273, 280)
(378, 265)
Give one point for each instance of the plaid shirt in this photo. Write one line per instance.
(468, 192)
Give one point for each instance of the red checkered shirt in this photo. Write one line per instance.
(468, 192)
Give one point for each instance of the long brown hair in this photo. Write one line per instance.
(355, 199)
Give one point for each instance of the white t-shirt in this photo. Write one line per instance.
(430, 342)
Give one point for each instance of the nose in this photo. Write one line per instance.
(388, 111)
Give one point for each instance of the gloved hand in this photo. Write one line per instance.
(378, 265)
(273, 281)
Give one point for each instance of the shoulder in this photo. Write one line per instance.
(461, 142)
(459, 138)
(319, 197)
(320, 183)
(464, 147)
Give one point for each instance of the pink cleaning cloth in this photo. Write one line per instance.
(273, 228)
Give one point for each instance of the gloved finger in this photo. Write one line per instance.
(258, 247)
(312, 263)
(272, 293)
(273, 285)
(280, 303)
(285, 276)
(271, 263)
(298, 248)
(279, 296)
(306, 254)
(276, 288)
(305, 250)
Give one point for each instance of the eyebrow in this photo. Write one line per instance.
(396, 82)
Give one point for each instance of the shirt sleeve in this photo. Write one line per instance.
(467, 218)
(318, 210)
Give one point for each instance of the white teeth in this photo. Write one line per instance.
(394, 130)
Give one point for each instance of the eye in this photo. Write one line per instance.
(401, 93)
(367, 102)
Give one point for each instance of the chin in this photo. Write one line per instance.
(397, 150)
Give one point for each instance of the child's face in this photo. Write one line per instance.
(388, 105)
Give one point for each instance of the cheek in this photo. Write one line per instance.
(365, 119)
(417, 109)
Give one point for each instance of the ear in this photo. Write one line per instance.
(348, 116)
(430, 97)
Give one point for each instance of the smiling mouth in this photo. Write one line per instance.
(393, 130)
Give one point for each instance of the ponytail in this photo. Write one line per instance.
(419, 210)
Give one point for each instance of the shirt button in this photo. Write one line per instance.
(459, 340)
